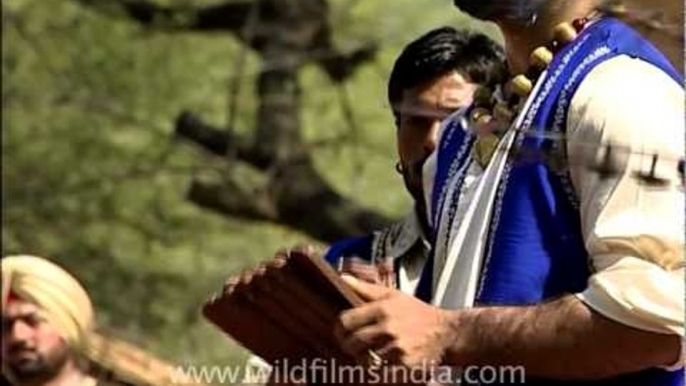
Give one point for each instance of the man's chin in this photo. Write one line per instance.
(30, 369)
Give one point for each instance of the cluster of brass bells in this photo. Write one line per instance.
(492, 115)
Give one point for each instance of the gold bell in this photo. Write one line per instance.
(541, 58)
(565, 33)
(483, 97)
(484, 148)
(503, 113)
(521, 85)
(480, 116)
(615, 8)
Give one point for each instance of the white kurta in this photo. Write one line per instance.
(405, 242)
(633, 232)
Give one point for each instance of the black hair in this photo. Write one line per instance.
(475, 56)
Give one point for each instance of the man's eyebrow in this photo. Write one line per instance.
(446, 110)
(435, 111)
(22, 315)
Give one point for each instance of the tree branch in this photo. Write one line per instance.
(309, 203)
(232, 16)
(229, 198)
(297, 197)
(340, 66)
(228, 16)
(290, 34)
(216, 141)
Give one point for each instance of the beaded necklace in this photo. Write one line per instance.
(494, 112)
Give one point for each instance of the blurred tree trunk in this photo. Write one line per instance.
(661, 21)
(287, 34)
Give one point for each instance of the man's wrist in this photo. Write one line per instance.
(457, 331)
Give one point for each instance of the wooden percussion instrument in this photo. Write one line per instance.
(285, 309)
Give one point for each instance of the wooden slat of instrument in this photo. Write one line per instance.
(260, 334)
(285, 309)
(123, 362)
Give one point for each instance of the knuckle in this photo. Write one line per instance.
(384, 312)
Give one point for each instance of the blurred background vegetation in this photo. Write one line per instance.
(95, 176)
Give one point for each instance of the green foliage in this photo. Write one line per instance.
(93, 178)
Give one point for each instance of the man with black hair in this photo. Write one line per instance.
(433, 77)
(563, 251)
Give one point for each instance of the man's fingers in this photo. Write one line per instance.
(281, 254)
(356, 318)
(364, 272)
(305, 249)
(359, 342)
(367, 291)
(390, 353)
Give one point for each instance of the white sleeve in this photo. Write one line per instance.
(634, 232)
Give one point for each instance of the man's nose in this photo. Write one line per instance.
(429, 147)
(429, 144)
(21, 332)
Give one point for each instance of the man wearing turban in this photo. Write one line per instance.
(48, 338)
(47, 317)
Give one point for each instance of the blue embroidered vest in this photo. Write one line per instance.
(393, 242)
(360, 247)
(535, 249)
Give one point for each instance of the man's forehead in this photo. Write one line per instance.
(445, 88)
(441, 83)
(446, 94)
(18, 307)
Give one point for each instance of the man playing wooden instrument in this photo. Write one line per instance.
(433, 77)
